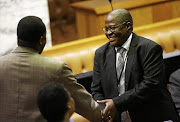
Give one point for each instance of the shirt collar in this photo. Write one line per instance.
(126, 45)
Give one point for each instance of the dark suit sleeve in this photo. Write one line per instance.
(174, 88)
(150, 79)
(96, 88)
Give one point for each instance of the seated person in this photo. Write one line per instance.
(55, 103)
(174, 88)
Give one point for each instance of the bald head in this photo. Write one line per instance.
(118, 27)
(120, 15)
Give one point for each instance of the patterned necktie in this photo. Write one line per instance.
(120, 62)
(121, 86)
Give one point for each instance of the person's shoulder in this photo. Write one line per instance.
(144, 40)
(176, 73)
(103, 47)
(145, 43)
(51, 61)
(175, 78)
(5, 57)
(53, 64)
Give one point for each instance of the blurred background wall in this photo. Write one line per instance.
(62, 18)
(69, 20)
(77, 19)
(11, 11)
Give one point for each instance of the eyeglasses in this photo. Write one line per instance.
(112, 28)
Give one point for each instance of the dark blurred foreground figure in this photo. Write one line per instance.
(128, 75)
(55, 103)
(174, 88)
(24, 71)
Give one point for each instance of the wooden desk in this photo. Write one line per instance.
(90, 15)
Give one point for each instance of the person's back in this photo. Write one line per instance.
(19, 72)
(21, 79)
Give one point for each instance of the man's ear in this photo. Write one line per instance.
(128, 23)
(69, 105)
(129, 26)
(41, 40)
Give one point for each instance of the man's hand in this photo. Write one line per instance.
(110, 109)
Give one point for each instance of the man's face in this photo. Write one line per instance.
(115, 31)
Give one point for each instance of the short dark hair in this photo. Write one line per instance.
(52, 101)
(30, 28)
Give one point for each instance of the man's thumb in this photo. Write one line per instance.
(101, 101)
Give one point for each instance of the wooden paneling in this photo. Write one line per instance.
(175, 9)
(101, 24)
(90, 15)
(162, 12)
(80, 25)
(141, 16)
(91, 23)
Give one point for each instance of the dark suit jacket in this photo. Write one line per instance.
(23, 72)
(174, 88)
(146, 98)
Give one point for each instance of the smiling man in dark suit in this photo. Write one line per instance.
(128, 75)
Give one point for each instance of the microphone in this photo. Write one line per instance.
(110, 1)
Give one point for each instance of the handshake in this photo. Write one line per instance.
(109, 111)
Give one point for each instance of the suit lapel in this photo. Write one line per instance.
(131, 56)
(111, 65)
